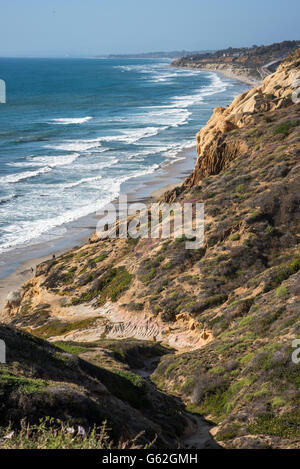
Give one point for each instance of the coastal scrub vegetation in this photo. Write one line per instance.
(53, 398)
(50, 433)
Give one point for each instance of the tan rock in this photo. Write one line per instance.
(205, 335)
(14, 298)
(192, 325)
(94, 238)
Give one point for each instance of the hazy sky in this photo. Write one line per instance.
(89, 27)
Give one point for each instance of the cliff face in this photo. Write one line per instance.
(240, 72)
(231, 308)
(248, 65)
(215, 151)
(218, 144)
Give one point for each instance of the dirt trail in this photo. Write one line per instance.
(197, 429)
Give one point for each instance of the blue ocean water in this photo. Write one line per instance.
(74, 130)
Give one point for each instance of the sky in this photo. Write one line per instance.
(59, 28)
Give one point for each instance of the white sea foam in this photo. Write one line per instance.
(51, 161)
(159, 73)
(88, 180)
(12, 178)
(174, 150)
(126, 136)
(174, 114)
(76, 145)
(30, 232)
(217, 86)
(70, 121)
(81, 182)
(177, 112)
(96, 166)
(133, 135)
(164, 115)
(142, 154)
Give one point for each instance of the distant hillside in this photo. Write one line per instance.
(157, 55)
(254, 63)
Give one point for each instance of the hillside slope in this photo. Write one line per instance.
(248, 64)
(231, 308)
(45, 381)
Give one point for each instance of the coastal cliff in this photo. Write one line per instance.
(244, 74)
(217, 143)
(249, 65)
(220, 320)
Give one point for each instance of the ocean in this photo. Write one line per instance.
(74, 132)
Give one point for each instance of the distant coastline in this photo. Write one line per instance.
(227, 71)
(247, 64)
(155, 55)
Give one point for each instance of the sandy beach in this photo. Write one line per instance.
(227, 72)
(16, 265)
(231, 73)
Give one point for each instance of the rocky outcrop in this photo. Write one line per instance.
(217, 145)
(14, 299)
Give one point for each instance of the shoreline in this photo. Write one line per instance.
(227, 72)
(149, 188)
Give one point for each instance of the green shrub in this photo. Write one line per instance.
(235, 237)
(136, 306)
(169, 313)
(111, 285)
(217, 404)
(70, 347)
(134, 379)
(282, 292)
(52, 434)
(245, 321)
(217, 370)
(246, 358)
(98, 259)
(284, 426)
(255, 215)
(277, 402)
(149, 276)
(263, 392)
(282, 273)
(208, 303)
(114, 283)
(25, 385)
(57, 328)
(229, 433)
(85, 297)
(285, 127)
(240, 189)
